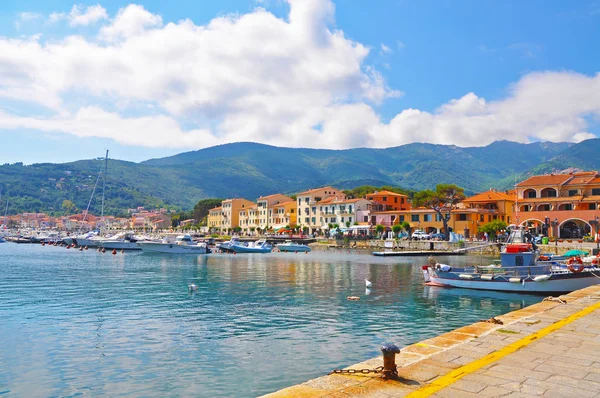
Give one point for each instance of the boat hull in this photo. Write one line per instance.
(120, 245)
(246, 249)
(86, 242)
(557, 283)
(293, 248)
(171, 248)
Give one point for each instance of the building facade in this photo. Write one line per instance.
(307, 213)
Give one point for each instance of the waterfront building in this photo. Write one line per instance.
(485, 207)
(307, 206)
(388, 201)
(560, 205)
(343, 212)
(265, 209)
(214, 219)
(231, 212)
(283, 215)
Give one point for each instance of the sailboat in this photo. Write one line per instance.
(91, 239)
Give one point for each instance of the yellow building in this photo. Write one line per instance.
(214, 220)
(307, 212)
(283, 214)
(265, 209)
(231, 212)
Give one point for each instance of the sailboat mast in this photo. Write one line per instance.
(104, 183)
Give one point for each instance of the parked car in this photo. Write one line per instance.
(438, 236)
(420, 235)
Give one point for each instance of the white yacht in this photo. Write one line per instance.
(122, 241)
(183, 244)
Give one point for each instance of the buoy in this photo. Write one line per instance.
(192, 287)
(353, 298)
(122, 251)
(68, 247)
(80, 248)
(43, 243)
(85, 248)
(103, 250)
(114, 251)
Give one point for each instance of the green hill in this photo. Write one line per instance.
(250, 170)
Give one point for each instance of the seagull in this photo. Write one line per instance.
(192, 287)
(368, 283)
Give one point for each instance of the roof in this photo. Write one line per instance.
(550, 179)
(582, 178)
(337, 199)
(316, 189)
(390, 193)
(285, 203)
(490, 195)
(271, 196)
(216, 208)
(565, 199)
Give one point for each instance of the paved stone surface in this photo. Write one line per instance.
(563, 363)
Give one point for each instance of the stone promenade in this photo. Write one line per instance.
(550, 349)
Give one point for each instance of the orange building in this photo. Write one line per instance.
(562, 205)
(388, 201)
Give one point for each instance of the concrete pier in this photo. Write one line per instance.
(549, 349)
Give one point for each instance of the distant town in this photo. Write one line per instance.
(561, 206)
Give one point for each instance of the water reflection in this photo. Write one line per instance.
(128, 324)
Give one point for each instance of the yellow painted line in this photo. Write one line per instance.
(459, 373)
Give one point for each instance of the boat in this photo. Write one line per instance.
(183, 244)
(260, 246)
(121, 241)
(226, 246)
(520, 270)
(289, 246)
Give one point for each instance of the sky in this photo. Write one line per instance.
(155, 78)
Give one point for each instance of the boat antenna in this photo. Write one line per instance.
(87, 209)
(104, 184)
(516, 202)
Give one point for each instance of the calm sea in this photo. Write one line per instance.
(85, 323)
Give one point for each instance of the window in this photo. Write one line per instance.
(326, 220)
(350, 209)
(414, 217)
(530, 194)
(314, 220)
(395, 200)
(306, 220)
(438, 217)
(314, 210)
(342, 220)
(592, 206)
(366, 219)
(426, 217)
(461, 217)
(595, 191)
(317, 199)
(401, 218)
(299, 201)
(292, 211)
(572, 192)
(350, 219)
(384, 198)
(567, 206)
(402, 200)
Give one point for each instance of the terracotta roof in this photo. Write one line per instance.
(316, 189)
(216, 208)
(490, 196)
(270, 196)
(550, 179)
(337, 199)
(284, 203)
(390, 193)
(582, 178)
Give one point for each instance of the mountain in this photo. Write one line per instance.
(250, 170)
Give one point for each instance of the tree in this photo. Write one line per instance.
(396, 229)
(493, 227)
(443, 200)
(348, 223)
(405, 225)
(201, 208)
(68, 206)
(379, 229)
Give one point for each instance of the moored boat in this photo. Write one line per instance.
(122, 241)
(183, 244)
(520, 270)
(289, 246)
(260, 246)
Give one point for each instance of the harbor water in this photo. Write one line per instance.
(86, 323)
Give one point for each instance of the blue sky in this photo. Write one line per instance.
(76, 78)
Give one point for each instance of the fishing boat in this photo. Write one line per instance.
(520, 270)
(260, 246)
(289, 246)
(183, 244)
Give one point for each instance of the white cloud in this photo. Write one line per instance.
(385, 49)
(130, 21)
(256, 77)
(84, 16)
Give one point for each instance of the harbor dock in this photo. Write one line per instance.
(548, 349)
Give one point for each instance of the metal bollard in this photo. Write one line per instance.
(389, 352)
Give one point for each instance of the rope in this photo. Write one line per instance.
(550, 298)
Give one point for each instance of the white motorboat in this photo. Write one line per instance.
(122, 241)
(260, 246)
(520, 270)
(183, 244)
(289, 246)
